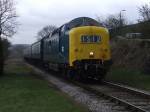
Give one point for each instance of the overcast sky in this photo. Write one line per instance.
(35, 14)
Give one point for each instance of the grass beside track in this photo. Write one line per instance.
(129, 77)
(20, 91)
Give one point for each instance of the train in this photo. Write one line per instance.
(79, 49)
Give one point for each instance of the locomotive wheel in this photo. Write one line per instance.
(70, 74)
(64, 73)
(99, 80)
(101, 77)
(80, 76)
(77, 77)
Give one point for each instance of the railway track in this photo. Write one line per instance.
(132, 99)
(124, 99)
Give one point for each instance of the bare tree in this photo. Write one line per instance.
(116, 21)
(47, 30)
(113, 21)
(144, 12)
(6, 45)
(101, 20)
(7, 25)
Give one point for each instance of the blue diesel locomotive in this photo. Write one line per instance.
(79, 49)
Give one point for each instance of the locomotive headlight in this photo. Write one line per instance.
(91, 53)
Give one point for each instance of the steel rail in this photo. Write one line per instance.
(112, 98)
(128, 89)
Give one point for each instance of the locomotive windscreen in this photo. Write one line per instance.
(82, 21)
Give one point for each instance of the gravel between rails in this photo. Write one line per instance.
(91, 101)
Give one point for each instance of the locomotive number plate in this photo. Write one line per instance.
(90, 39)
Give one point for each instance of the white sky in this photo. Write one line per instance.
(35, 14)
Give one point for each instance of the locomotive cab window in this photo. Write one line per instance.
(90, 39)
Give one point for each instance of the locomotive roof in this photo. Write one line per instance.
(82, 21)
(77, 22)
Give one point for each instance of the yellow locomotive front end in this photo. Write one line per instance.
(89, 51)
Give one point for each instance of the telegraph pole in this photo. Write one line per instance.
(120, 17)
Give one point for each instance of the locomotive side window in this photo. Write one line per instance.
(90, 39)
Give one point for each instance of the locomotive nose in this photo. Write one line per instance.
(87, 43)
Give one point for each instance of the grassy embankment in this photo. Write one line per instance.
(20, 91)
(132, 78)
(130, 58)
